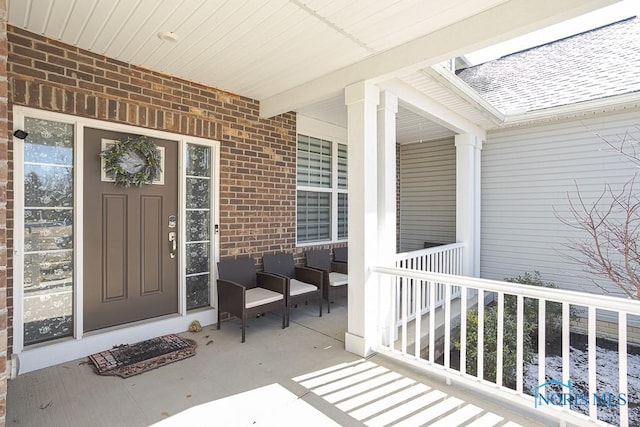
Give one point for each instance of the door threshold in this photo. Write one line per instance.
(65, 350)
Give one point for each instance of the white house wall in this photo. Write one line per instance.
(427, 193)
(527, 173)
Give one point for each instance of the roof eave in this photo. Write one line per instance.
(450, 81)
(613, 103)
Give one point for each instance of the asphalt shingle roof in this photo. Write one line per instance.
(596, 64)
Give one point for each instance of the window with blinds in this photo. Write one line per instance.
(342, 215)
(322, 190)
(342, 166)
(314, 216)
(314, 162)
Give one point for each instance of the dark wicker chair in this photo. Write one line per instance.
(340, 259)
(334, 273)
(303, 283)
(244, 292)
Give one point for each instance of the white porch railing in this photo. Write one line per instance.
(507, 301)
(445, 259)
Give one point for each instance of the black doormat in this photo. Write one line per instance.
(128, 360)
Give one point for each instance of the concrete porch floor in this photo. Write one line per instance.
(307, 359)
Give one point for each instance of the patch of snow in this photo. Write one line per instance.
(607, 380)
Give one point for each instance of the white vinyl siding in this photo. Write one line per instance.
(526, 176)
(427, 193)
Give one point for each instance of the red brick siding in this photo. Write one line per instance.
(4, 175)
(257, 156)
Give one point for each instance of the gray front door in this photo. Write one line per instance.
(130, 266)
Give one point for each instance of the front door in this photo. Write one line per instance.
(130, 269)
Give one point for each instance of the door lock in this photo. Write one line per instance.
(172, 244)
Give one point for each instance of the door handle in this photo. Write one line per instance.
(173, 244)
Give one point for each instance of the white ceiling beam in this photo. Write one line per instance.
(426, 107)
(503, 22)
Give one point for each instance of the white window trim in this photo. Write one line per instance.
(58, 351)
(336, 135)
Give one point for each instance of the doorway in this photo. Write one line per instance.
(130, 267)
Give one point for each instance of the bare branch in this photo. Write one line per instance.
(611, 225)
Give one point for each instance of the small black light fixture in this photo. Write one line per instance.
(20, 134)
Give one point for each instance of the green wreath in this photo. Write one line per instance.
(132, 161)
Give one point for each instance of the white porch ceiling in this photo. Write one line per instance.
(256, 48)
(289, 53)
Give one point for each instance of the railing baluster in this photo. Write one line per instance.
(398, 300)
(519, 343)
(566, 342)
(480, 361)
(500, 339)
(393, 291)
(410, 296)
(591, 349)
(425, 296)
(432, 321)
(542, 341)
(463, 329)
(418, 319)
(405, 303)
(622, 367)
(447, 326)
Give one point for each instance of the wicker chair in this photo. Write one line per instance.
(243, 292)
(340, 260)
(334, 273)
(303, 283)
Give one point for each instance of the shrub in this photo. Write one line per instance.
(509, 353)
(553, 309)
(530, 338)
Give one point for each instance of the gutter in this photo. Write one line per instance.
(611, 103)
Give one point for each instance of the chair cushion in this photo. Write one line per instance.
(260, 296)
(338, 279)
(296, 287)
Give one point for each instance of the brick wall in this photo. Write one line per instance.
(606, 330)
(258, 156)
(3, 210)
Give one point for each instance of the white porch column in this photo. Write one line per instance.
(468, 148)
(386, 206)
(387, 110)
(361, 100)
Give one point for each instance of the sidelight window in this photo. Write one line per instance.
(48, 230)
(198, 166)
